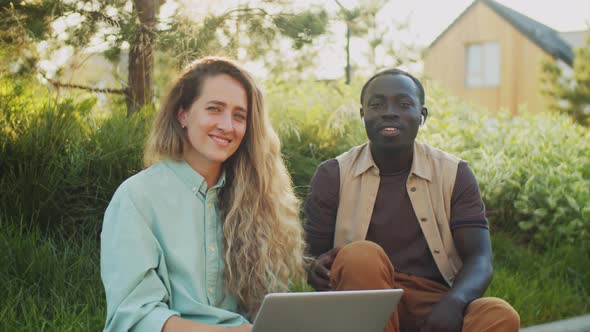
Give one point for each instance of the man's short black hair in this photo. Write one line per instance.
(396, 71)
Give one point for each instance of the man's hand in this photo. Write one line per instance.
(319, 273)
(474, 246)
(446, 316)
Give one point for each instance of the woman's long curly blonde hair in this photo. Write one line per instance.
(263, 236)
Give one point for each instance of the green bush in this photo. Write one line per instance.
(533, 170)
(315, 121)
(60, 163)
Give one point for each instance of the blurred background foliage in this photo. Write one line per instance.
(570, 95)
(61, 162)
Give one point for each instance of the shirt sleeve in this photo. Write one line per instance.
(467, 207)
(321, 207)
(130, 256)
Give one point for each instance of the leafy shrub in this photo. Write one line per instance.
(60, 163)
(533, 169)
(315, 121)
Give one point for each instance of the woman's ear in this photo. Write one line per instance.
(181, 116)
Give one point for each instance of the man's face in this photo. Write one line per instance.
(392, 111)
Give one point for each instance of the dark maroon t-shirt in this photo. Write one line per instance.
(393, 225)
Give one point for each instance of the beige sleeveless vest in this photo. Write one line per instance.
(429, 185)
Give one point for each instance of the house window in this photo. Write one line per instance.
(483, 65)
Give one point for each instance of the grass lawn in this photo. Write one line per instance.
(49, 284)
(53, 283)
(542, 287)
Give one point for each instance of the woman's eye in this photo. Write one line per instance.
(240, 116)
(213, 108)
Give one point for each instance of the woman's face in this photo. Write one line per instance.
(215, 122)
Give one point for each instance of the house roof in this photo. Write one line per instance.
(543, 36)
(575, 38)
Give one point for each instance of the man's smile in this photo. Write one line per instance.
(390, 131)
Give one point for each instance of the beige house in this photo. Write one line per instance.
(491, 56)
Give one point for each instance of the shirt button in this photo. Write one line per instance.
(423, 219)
(413, 189)
(211, 248)
(210, 290)
(195, 190)
(436, 251)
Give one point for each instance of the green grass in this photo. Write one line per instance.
(545, 286)
(52, 282)
(49, 284)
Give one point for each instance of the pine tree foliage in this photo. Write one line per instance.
(570, 95)
(135, 27)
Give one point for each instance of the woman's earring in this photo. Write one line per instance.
(363, 120)
(421, 120)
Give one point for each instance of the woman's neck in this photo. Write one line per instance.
(208, 170)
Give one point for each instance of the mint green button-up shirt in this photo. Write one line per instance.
(162, 251)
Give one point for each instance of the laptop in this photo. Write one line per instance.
(342, 311)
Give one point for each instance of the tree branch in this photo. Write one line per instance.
(58, 84)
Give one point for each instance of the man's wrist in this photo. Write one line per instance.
(456, 300)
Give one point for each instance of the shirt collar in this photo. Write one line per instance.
(420, 165)
(191, 178)
(365, 162)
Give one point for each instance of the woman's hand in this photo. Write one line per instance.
(175, 323)
(241, 328)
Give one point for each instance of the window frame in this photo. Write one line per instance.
(486, 72)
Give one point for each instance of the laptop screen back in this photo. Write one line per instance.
(342, 311)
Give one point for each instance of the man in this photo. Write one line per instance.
(396, 213)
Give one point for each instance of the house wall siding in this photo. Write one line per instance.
(520, 62)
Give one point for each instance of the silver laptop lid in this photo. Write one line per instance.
(342, 311)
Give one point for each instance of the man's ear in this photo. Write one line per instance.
(362, 117)
(424, 113)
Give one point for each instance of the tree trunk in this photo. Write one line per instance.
(141, 60)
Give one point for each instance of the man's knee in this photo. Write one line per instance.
(360, 255)
(493, 314)
(361, 265)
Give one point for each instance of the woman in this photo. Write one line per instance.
(197, 239)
